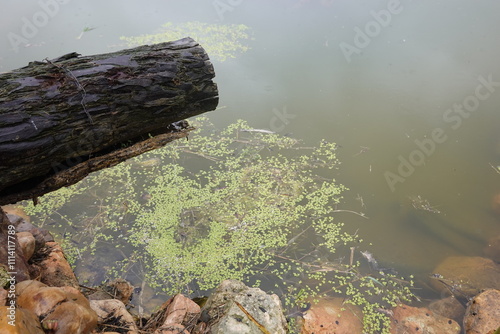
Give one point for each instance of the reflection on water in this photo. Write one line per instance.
(393, 93)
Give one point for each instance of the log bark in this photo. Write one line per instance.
(61, 113)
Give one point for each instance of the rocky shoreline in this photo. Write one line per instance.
(44, 296)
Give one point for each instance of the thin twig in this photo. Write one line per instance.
(317, 268)
(496, 169)
(78, 85)
(351, 259)
(208, 157)
(356, 213)
(363, 150)
(360, 199)
(249, 316)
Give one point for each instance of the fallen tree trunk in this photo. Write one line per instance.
(59, 114)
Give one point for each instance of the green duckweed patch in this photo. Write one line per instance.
(227, 204)
(221, 41)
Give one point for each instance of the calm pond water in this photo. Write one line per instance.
(409, 90)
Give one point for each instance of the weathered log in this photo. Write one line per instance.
(57, 114)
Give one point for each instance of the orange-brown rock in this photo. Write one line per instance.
(73, 318)
(468, 274)
(413, 320)
(28, 287)
(42, 300)
(448, 307)
(19, 321)
(3, 296)
(181, 310)
(62, 307)
(55, 269)
(122, 290)
(22, 225)
(330, 316)
(7, 229)
(26, 241)
(17, 210)
(483, 313)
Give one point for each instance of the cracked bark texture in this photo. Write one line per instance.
(61, 113)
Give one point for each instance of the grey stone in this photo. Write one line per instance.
(225, 310)
(114, 309)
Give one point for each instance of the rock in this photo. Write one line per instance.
(181, 311)
(100, 295)
(413, 320)
(16, 210)
(63, 307)
(72, 318)
(23, 225)
(20, 265)
(55, 269)
(178, 313)
(172, 329)
(27, 287)
(121, 289)
(27, 243)
(118, 289)
(483, 313)
(468, 275)
(5, 278)
(492, 249)
(448, 307)
(330, 316)
(25, 322)
(224, 309)
(113, 310)
(147, 299)
(3, 296)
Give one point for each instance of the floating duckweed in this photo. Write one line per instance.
(245, 208)
(221, 41)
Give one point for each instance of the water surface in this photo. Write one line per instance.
(427, 57)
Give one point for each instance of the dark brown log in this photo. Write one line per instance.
(57, 114)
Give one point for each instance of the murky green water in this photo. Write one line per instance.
(385, 95)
